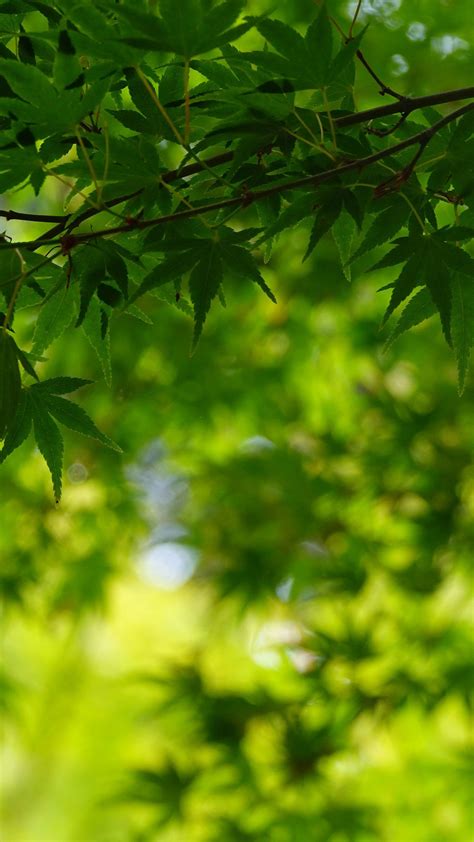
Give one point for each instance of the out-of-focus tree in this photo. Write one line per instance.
(254, 623)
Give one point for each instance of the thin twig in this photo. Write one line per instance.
(405, 106)
(311, 143)
(386, 132)
(16, 289)
(384, 89)
(354, 19)
(31, 217)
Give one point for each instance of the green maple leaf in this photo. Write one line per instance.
(39, 406)
(204, 283)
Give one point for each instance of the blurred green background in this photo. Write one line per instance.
(256, 624)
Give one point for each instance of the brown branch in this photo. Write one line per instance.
(406, 106)
(170, 176)
(390, 130)
(384, 89)
(30, 217)
(421, 138)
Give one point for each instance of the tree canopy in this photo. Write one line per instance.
(244, 238)
(185, 156)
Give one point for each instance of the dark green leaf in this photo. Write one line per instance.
(319, 47)
(410, 277)
(221, 17)
(157, 35)
(10, 382)
(104, 323)
(204, 283)
(299, 209)
(284, 39)
(384, 227)
(60, 385)
(91, 274)
(73, 416)
(241, 263)
(456, 258)
(455, 233)
(65, 44)
(25, 363)
(345, 57)
(343, 231)
(167, 271)
(462, 323)
(29, 82)
(20, 427)
(216, 26)
(56, 314)
(405, 247)
(26, 51)
(134, 121)
(49, 440)
(353, 207)
(438, 280)
(67, 68)
(419, 308)
(109, 294)
(324, 219)
(92, 327)
(183, 22)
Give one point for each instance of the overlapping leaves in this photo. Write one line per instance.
(261, 134)
(187, 28)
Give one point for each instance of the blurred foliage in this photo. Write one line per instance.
(257, 623)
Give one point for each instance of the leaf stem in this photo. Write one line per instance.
(187, 105)
(159, 106)
(413, 210)
(316, 143)
(98, 190)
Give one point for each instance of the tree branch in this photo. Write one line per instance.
(168, 177)
(384, 89)
(31, 217)
(422, 138)
(355, 16)
(405, 106)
